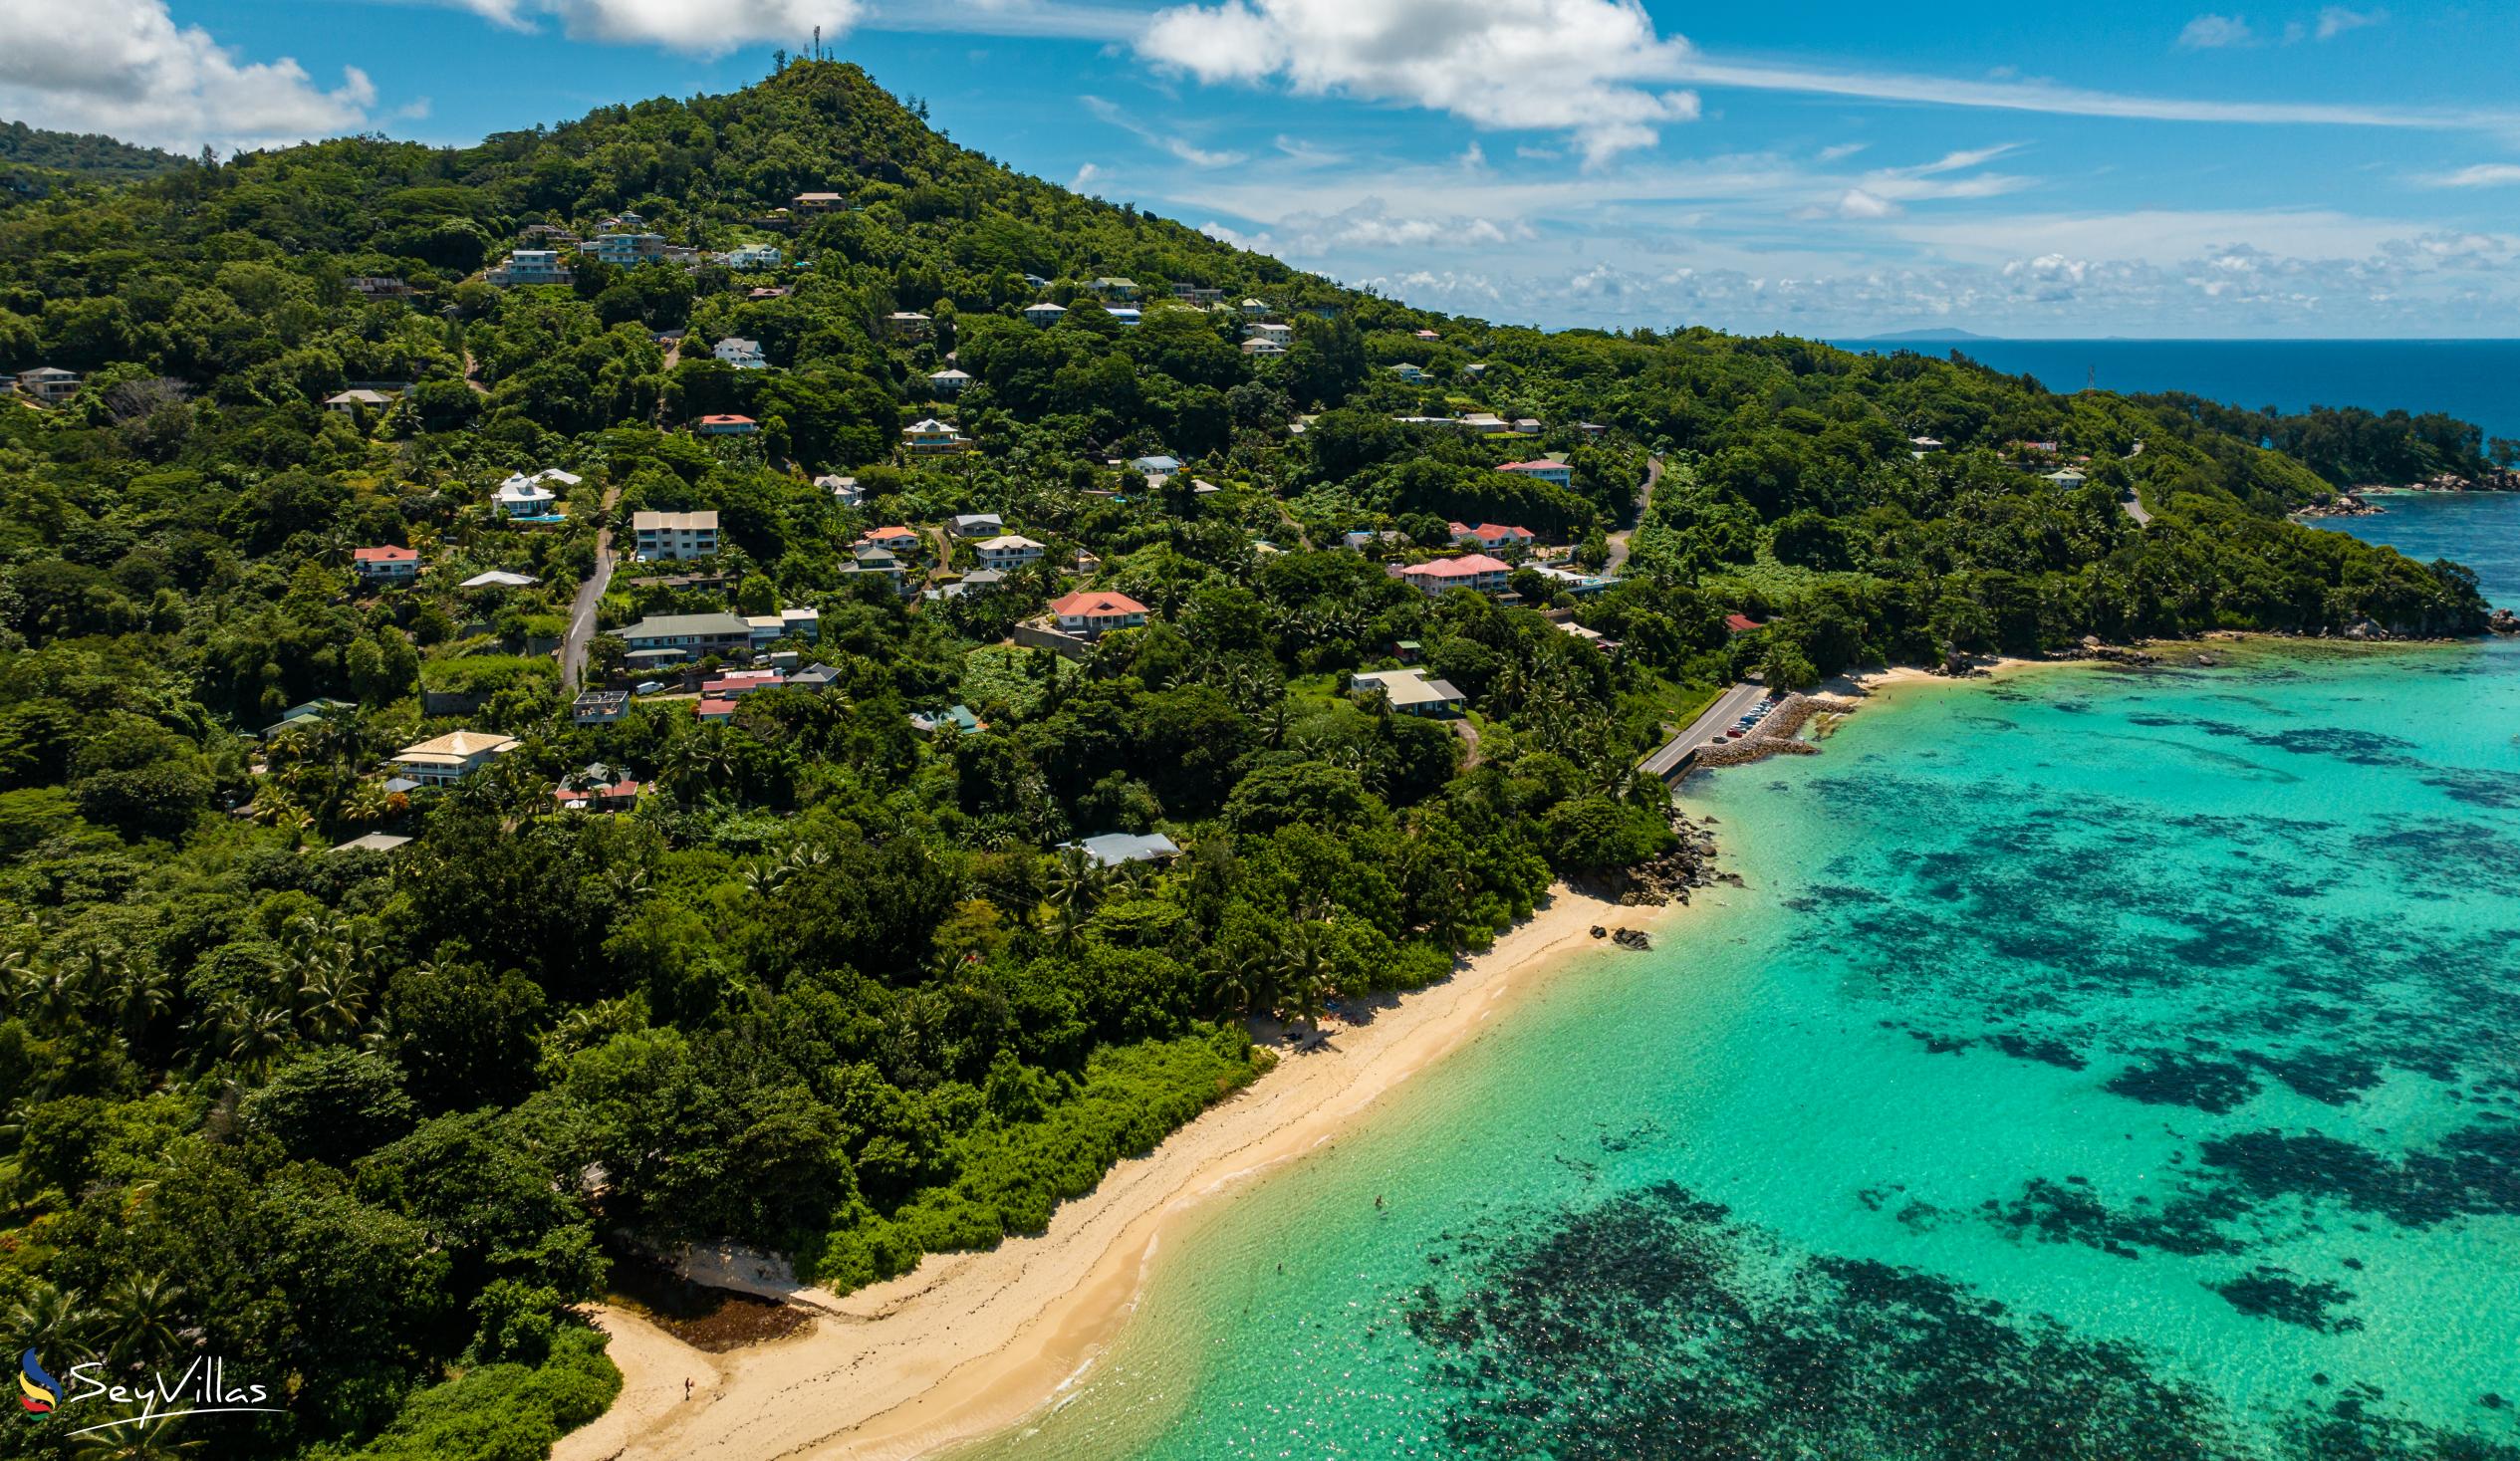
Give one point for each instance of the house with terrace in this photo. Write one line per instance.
(446, 760)
(673, 536)
(1411, 691)
(1540, 469)
(931, 438)
(1493, 536)
(1475, 570)
(386, 564)
(1092, 615)
(1008, 552)
(670, 638)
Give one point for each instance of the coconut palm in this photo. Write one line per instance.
(161, 1439)
(139, 1316)
(1304, 970)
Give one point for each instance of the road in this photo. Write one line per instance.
(572, 648)
(2134, 510)
(1644, 499)
(1709, 725)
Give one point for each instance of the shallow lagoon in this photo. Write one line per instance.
(2102, 1063)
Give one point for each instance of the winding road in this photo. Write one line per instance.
(572, 648)
(1644, 500)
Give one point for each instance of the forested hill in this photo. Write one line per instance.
(371, 998)
(34, 161)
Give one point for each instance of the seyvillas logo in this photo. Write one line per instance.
(37, 1390)
(201, 1390)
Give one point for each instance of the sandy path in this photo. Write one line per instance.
(971, 1343)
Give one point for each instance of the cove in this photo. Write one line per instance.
(2095, 1062)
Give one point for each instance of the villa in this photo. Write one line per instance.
(1492, 535)
(976, 525)
(755, 256)
(725, 426)
(679, 535)
(50, 384)
(1470, 571)
(909, 324)
(1112, 848)
(450, 758)
(1540, 469)
(530, 266)
(524, 499)
(665, 639)
(352, 403)
(1012, 551)
(948, 382)
(1410, 692)
(622, 250)
(386, 565)
(1409, 374)
(893, 539)
(743, 355)
(1089, 616)
(1045, 313)
(931, 438)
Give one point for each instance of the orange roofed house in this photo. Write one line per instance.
(1492, 535)
(386, 565)
(1089, 616)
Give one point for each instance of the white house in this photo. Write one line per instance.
(742, 353)
(1409, 374)
(1045, 313)
(931, 438)
(352, 403)
(1157, 468)
(949, 382)
(1089, 616)
(386, 565)
(1262, 348)
(50, 384)
(674, 535)
(845, 489)
(976, 525)
(665, 637)
(1410, 692)
(1255, 309)
(755, 256)
(531, 266)
(1010, 551)
(1278, 334)
(1556, 474)
(1128, 315)
(625, 249)
(450, 758)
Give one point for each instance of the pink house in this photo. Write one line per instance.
(1492, 535)
(1469, 571)
(386, 565)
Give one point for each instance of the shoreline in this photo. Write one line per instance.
(970, 1345)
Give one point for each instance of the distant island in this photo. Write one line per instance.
(1902, 336)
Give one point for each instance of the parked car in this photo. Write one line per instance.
(648, 687)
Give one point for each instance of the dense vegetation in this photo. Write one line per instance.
(2353, 448)
(355, 1121)
(34, 161)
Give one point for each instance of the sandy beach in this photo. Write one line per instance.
(971, 1343)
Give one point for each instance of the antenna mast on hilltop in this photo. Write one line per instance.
(818, 43)
(2091, 378)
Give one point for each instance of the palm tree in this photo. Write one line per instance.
(139, 1317)
(140, 1440)
(1304, 968)
(143, 993)
(51, 1318)
(1076, 884)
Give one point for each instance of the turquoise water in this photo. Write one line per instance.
(2098, 1064)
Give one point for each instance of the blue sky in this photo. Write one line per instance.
(2140, 169)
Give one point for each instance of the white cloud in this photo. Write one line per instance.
(1591, 69)
(1842, 152)
(2483, 175)
(1857, 203)
(1180, 147)
(2214, 32)
(698, 27)
(2336, 20)
(125, 68)
(1371, 225)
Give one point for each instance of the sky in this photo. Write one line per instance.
(1836, 169)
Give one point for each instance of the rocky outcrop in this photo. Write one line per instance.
(2343, 504)
(2504, 622)
(1664, 879)
(2492, 479)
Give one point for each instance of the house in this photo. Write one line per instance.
(713, 708)
(2067, 478)
(978, 581)
(767, 292)
(311, 712)
(352, 403)
(1089, 616)
(1361, 539)
(1045, 313)
(1476, 369)
(1484, 423)
(1492, 535)
(499, 579)
(868, 559)
(1112, 848)
(373, 842)
(742, 353)
(1200, 487)
(1470, 571)
(1198, 294)
(735, 684)
(976, 525)
(770, 628)
(386, 565)
(1410, 692)
(1924, 444)
(815, 202)
(725, 426)
(1276, 334)
(1593, 637)
(948, 382)
(598, 789)
(1157, 468)
(895, 538)
(1114, 289)
(1255, 309)
(1741, 623)
(527, 500)
(843, 488)
(755, 256)
(377, 287)
(908, 324)
(818, 679)
(929, 722)
(665, 639)
(47, 384)
(1262, 348)
(1428, 335)
(1571, 581)
(1592, 428)
(531, 266)
(1089, 562)
(1409, 374)
(931, 438)
(598, 707)
(1128, 317)
(1526, 426)
(447, 758)
(1540, 469)
(626, 250)
(1010, 551)
(678, 536)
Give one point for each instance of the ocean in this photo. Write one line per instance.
(2099, 1063)
(2473, 380)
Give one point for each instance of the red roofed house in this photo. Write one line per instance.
(727, 426)
(1470, 571)
(1741, 623)
(737, 683)
(709, 709)
(1089, 616)
(893, 539)
(1557, 474)
(1492, 535)
(388, 565)
(621, 796)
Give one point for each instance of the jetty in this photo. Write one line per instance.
(1679, 753)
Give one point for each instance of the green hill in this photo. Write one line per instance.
(360, 1119)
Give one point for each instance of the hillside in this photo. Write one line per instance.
(366, 985)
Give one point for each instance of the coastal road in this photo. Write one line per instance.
(1709, 725)
(1644, 499)
(572, 648)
